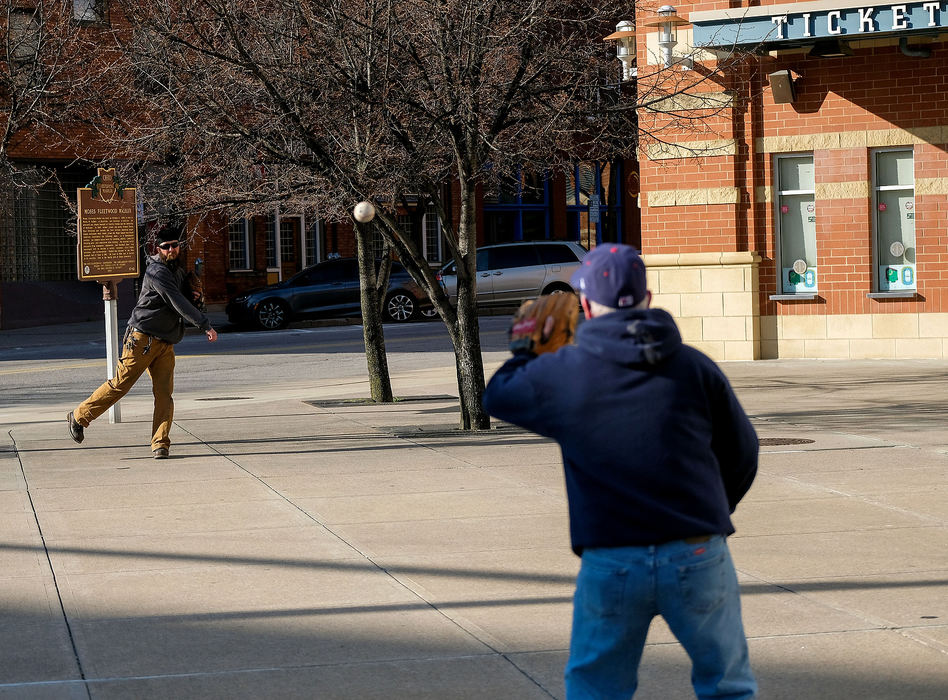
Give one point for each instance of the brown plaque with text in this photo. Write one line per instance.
(108, 229)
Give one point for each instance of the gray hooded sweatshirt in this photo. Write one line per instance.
(162, 308)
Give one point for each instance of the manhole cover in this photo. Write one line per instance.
(225, 398)
(785, 441)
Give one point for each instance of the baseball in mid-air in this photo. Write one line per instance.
(363, 212)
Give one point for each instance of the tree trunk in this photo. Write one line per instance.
(461, 322)
(466, 334)
(380, 384)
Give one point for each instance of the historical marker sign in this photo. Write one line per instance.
(108, 229)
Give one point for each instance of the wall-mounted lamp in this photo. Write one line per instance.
(624, 36)
(668, 23)
(781, 87)
(830, 48)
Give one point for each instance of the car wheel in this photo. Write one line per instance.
(430, 312)
(271, 315)
(564, 289)
(400, 307)
(557, 289)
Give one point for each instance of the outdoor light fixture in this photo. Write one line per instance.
(830, 48)
(668, 23)
(624, 36)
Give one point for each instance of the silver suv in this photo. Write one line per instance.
(509, 273)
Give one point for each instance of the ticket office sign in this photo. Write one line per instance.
(803, 23)
(108, 230)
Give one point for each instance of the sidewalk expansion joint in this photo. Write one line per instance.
(383, 569)
(52, 570)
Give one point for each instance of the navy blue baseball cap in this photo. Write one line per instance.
(613, 275)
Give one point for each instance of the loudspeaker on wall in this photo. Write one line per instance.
(781, 87)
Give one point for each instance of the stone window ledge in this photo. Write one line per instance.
(793, 297)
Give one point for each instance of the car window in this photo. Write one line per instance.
(327, 273)
(554, 254)
(340, 271)
(349, 269)
(482, 260)
(512, 256)
(306, 278)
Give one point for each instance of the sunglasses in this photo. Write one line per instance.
(169, 245)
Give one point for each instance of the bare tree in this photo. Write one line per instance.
(41, 82)
(240, 104)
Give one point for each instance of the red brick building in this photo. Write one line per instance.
(809, 219)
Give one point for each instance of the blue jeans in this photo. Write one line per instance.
(618, 592)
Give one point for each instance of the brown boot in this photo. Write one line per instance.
(75, 430)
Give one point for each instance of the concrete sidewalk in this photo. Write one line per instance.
(338, 550)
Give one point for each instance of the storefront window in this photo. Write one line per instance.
(796, 224)
(894, 205)
(239, 244)
(594, 203)
(518, 211)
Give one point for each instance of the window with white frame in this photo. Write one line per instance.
(313, 235)
(428, 239)
(796, 224)
(25, 35)
(239, 244)
(91, 11)
(432, 238)
(378, 241)
(893, 177)
(287, 242)
(271, 247)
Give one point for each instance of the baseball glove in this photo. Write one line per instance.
(546, 324)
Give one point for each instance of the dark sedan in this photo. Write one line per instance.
(323, 290)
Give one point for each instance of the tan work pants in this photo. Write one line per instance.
(140, 352)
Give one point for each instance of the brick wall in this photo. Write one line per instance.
(723, 201)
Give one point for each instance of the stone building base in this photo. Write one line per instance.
(714, 299)
(856, 336)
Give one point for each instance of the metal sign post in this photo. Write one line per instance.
(110, 297)
(108, 251)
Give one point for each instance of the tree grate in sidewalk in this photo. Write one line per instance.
(434, 431)
(343, 403)
(785, 441)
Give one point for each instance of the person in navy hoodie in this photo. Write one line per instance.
(657, 453)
